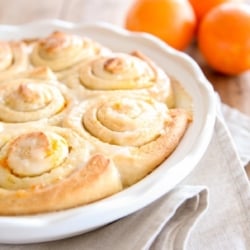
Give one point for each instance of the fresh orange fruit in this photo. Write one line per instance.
(202, 7)
(224, 38)
(173, 21)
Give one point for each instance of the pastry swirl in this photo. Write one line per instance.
(14, 59)
(122, 72)
(27, 100)
(138, 133)
(61, 51)
(50, 168)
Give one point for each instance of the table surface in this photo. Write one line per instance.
(233, 90)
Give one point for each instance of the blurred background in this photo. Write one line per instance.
(22, 11)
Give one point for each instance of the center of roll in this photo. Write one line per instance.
(126, 121)
(122, 115)
(35, 153)
(115, 65)
(27, 97)
(59, 43)
(56, 41)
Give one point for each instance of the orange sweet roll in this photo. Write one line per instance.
(45, 169)
(62, 52)
(28, 100)
(137, 132)
(122, 72)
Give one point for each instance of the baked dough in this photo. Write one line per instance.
(33, 100)
(79, 122)
(61, 51)
(122, 72)
(138, 133)
(50, 168)
(14, 59)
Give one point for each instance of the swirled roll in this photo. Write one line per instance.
(121, 72)
(138, 133)
(33, 100)
(49, 168)
(61, 51)
(79, 122)
(13, 59)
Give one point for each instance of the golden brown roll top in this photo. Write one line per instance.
(138, 133)
(33, 100)
(122, 72)
(50, 168)
(61, 51)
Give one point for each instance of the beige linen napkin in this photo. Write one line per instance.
(226, 224)
(172, 221)
(239, 127)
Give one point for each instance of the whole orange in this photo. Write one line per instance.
(224, 38)
(173, 21)
(202, 7)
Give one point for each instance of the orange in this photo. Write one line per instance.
(173, 21)
(224, 38)
(202, 7)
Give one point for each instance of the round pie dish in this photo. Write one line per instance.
(75, 221)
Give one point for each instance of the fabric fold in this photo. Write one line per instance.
(175, 234)
(226, 224)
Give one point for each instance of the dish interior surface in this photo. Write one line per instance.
(63, 224)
